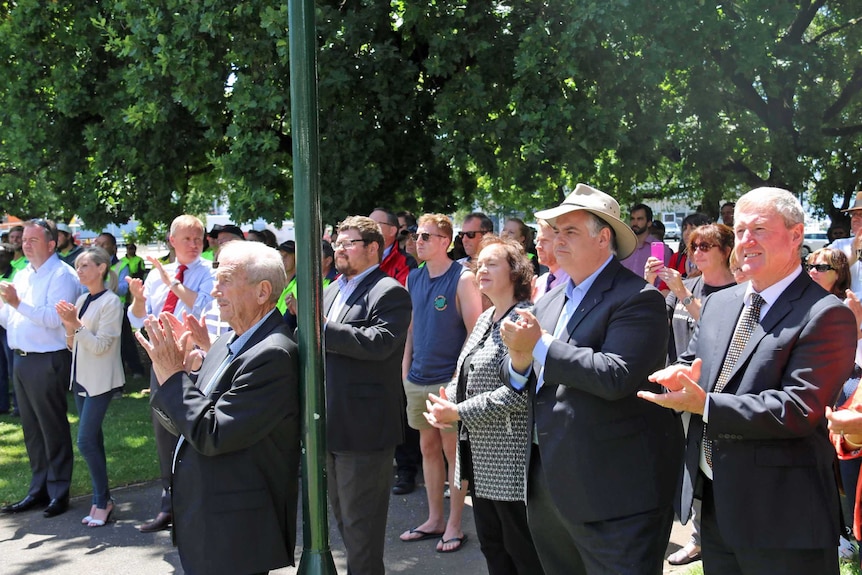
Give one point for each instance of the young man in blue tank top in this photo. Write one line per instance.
(446, 304)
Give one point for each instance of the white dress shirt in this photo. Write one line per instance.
(35, 326)
(198, 277)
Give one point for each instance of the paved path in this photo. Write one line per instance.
(32, 544)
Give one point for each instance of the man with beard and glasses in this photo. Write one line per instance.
(640, 218)
(367, 316)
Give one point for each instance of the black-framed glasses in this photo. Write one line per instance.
(346, 244)
(472, 235)
(425, 236)
(822, 268)
(703, 246)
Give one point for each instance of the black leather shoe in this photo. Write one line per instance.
(403, 485)
(160, 523)
(56, 507)
(25, 504)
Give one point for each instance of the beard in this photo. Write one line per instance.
(638, 230)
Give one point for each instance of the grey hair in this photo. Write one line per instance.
(776, 199)
(259, 262)
(595, 225)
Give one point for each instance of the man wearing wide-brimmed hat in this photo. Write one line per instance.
(853, 245)
(602, 466)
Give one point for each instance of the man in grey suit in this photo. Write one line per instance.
(367, 318)
(234, 485)
(766, 359)
(602, 465)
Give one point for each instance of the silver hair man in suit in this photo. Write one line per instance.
(602, 464)
(234, 485)
(765, 360)
(367, 318)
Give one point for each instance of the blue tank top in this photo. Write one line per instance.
(438, 330)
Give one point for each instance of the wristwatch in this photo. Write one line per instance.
(687, 300)
(175, 283)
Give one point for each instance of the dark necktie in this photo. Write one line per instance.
(172, 299)
(550, 283)
(744, 328)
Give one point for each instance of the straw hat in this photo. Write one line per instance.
(604, 207)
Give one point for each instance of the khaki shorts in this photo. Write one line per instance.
(416, 397)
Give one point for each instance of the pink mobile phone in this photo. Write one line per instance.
(657, 250)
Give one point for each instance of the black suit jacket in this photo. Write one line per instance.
(773, 479)
(235, 487)
(364, 346)
(606, 453)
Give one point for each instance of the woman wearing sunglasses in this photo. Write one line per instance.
(829, 268)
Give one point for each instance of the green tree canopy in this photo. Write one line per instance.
(153, 108)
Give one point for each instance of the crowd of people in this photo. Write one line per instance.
(583, 384)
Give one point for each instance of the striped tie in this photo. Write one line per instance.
(744, 328)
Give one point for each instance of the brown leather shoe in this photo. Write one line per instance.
(160, 523)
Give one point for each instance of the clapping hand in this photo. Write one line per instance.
(439, 411)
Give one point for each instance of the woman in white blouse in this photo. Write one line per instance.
(93, 326)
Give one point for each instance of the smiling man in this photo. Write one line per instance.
(765, 360)
(234, 484)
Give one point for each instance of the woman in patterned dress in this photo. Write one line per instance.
(493, 418)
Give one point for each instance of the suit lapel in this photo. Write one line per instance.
(724, 329)
(359, 292)
(777, 312)
(550, 313)
(604, 282)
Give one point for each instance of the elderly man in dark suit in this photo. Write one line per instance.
(367, 318)
(766, 359)
(602, 465)
(235, 466)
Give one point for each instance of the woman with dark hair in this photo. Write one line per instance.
(93, 326)
(516, 229)
(493, 417)
(830, 269)
(709, 249)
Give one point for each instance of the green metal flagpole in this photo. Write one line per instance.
(316, 554)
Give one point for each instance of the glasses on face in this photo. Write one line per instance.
(703, 246)
(346, 244)
(424, 236)
(472, 235)
(822, 268)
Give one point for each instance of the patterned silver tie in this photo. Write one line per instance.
(744, 328)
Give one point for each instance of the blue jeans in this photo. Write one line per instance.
(91, 442)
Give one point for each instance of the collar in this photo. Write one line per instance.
(585, 285)
(773, 292)
(344, 283)
(238, 342)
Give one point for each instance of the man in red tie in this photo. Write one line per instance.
(181, 286)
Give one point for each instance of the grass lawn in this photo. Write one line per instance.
(129, 445)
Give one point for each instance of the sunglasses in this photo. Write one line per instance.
(703, 246)
(472, 235)
(818, 267)
(425, 236)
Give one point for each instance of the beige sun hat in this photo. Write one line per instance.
(857, 204)
(602, 206)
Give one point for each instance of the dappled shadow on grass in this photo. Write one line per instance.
(129, 446)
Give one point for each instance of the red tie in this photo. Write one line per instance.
(172, 299)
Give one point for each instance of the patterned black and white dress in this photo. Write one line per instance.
(495, 416)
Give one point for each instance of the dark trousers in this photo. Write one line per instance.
(632, 545)
(408, 455)
(6, 360)
(359, 484)
(721, 559)
(41, 381)
(129, 347)
(504, 537)
(165, 444)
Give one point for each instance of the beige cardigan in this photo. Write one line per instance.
(96, 348)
